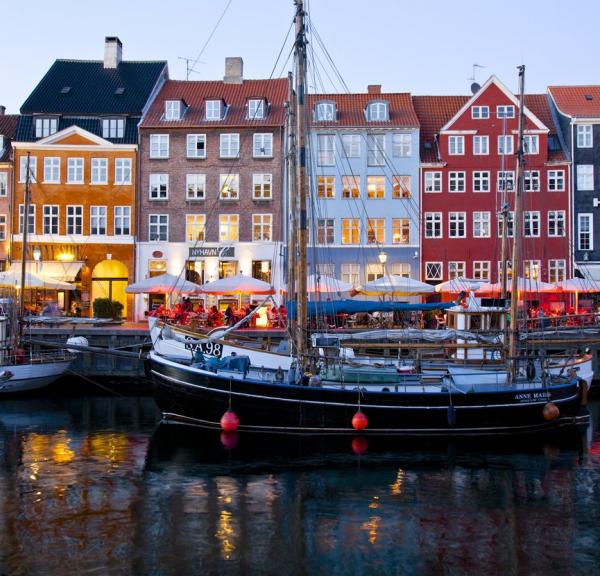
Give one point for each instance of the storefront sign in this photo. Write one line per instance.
(204, 252)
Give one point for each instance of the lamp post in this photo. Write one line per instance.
(37, 256)
(382, 259)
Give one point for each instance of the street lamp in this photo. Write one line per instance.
(382, 259)
(37, 256)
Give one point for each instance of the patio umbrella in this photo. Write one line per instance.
(395, 285)
(163, 284)
(12, 278)
(458, 285)
(326, 284)
(528, 285)
(238, 284)
(577, 285)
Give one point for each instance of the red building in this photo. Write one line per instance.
(468, 162)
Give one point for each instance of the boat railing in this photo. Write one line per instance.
(39, 357)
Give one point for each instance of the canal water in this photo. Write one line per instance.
(93, 485)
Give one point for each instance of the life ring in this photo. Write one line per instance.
(530, 370)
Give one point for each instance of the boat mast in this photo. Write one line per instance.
(292, 195)
(301, 182)
(516, 252)
(504, 214)
(26, 201)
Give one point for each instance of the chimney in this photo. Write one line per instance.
(113, 52)
(234, 70)
(2, 110)
(374, 88)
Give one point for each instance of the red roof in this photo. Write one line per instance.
(351, 109)
(236, 96)
(8, 129)
(538, 105)
(582, 101)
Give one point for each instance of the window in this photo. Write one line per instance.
(350, 231)
(401, 187)
(456, 145)
(556, 223)
(456, 269)
(481, 270)
(99, 171)
(262, 146)
(52, 170)
(326, 150)
(377, 112)
(159, 145)
(256, 109)
(585, 231)
(122, 171)
(326, 186)
(30, 219)
(325, 231)
(262, 225)
(229, 146)
(23, 169)
(584, 136)
(196, 146)
(2, 226)
(375, 271)
(376, 151)
(531, 144)
(113, 127)
(510, 217)
(480, 112)
(229, 188)
(585, 177)
(556, 180)
(159, 186)
(325, 112)
(45, 126)
(433, 181)
(158, 227)
(194, 227)
(122, 223)
(350, 273)
(228, 227)
(50, 219)
(481, 225)
(481, 181)
(74, 220)
(501, 265)
(97, 220)
(262, 270)
(481, 145)
(262, 186)
(531, 269)
(457, 224)
(531, 224)
(505, 145)
(456, 181)
(557, 271)
(375, 230)
(531, 180)
(195, 186)
(351, 145)
(505, 111)
(433, 224)
(325, 269)
(75, 171)
(433, 270)
(350, 186)
(401, 145)
(376, 187)
(213, 109)
(400, 231)
(172, 109)
(506, 181)
(400, 269)
(3, 183)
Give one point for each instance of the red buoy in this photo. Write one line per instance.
(229, 421)
(551, 411)
(230, 440)
(359, 445)
(359, 421)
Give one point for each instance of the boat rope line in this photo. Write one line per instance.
(84, 377)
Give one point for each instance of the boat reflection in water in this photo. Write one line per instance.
(91, 486)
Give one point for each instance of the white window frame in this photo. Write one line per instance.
(456, 145)
(262, 186)
(158, 186)
(585, 136)
(173, 109)
(375, 230)
(556, 223)
(325, 187)
(99, 171)
(256, 108)
(510, 232)
(456, 220)
(325, 234)
(481, 270)
(457, 180)
(434, 225)
(531, 219)
(375, 149)
(350, 187)
(457, 268)
(159, 146)
(434, 270)
(3, 184)
(74, 220)
(401, 145)
(351, 144)
(325, 150)
(31, 218)
(585, 176)
(229, 227)
(531, 181)
(433, 182)
(531, 266)
(229, 187)
(262, 145)
(401, 187)
(481, 145)
(482, 224)
(557, 270)
(50, 219)
(98, 216)
(122, 216)
(505, 111)
(481, 180)
(352, 227)
(377, 111)
(195, 186)
(75, 170)
(531, 144)
(195, 227)
(229, 145)
(158, 223)
(45, 127)
(556, 180)
(123, 168)
(375, 187)
(51, 170)
(350, 272)
(325, 112)
(506, 145)
(503, 178)
(192, 150)
(480, 112)
(113, 127)
(23, 169)
(262, 227)
(581, 235)
(213, 110)
(400, 231)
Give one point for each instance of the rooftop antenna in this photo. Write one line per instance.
(475, 86)
(189, 68)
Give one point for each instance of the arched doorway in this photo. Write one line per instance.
(109, 280)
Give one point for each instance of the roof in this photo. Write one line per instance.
(577, 101)
(8, 129)
(86, 87)
(539, 105)
(196, 93)
(350, 109)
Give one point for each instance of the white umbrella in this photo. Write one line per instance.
(523, 285)
(578, 285)
(397, 286)
(12, 278)
(163, 284)
(457, 285)
(326, 284)
(238, 284)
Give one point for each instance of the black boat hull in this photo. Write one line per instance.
(199, 398)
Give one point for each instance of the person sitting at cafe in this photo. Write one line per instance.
(230, 315)
(215, 317)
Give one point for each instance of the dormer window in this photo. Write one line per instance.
(45, 126)
(505, 111)
(113, 127)
(377, 112)
(214, 109)
(173, 110)
(256, 109)
(325, 112)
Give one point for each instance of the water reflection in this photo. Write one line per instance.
(92, 486)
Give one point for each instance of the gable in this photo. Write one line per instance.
(76, 139)
(74, 135)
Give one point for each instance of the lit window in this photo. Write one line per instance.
(375, 230)
(229, 186)
(350, 231)
(195, 186)
(194, 227)
(400, 231)
(401, 187)
(350, 186)
(376, 187)
(262, 186)
(228, 227)
(262, 225)
(481, 270)
(326, 186)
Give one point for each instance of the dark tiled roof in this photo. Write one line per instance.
(351, 109)
(195, 94)
(25, 131)
(8, 129)
(582, 101)
(92, 88)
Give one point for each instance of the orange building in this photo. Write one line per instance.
(8, 128)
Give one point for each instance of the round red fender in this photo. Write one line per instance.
(551, 411)
(359, 445)
(359, 421)
(230, 421)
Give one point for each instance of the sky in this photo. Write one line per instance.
(418, 46)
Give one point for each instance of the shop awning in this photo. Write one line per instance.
(63, 271)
